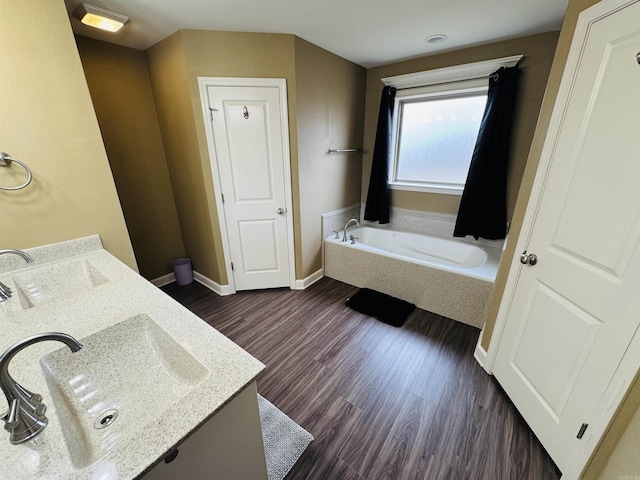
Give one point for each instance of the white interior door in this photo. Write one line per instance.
(574, 313)
(248, 128)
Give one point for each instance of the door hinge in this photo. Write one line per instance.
(583, 428)
(232, 266)
(222, 195)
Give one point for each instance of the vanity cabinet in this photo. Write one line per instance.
(228, 446)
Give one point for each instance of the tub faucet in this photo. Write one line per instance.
(25, 417)
(27, 258)
(346, 226)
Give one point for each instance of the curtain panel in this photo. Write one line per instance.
(378, 195)
(483, 206)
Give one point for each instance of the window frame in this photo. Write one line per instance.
(432, 81)
(460, 89)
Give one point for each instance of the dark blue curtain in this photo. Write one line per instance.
(483, 207)
(377, 206)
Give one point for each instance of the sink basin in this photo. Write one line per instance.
(51, 282)
(124, 378)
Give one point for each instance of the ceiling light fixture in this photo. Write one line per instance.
(100, 18)
(437, 38)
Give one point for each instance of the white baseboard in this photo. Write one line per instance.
(164, 280)
(222, 290)
(480, 354)
(310, 280)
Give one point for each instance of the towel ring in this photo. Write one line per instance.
(5, 161)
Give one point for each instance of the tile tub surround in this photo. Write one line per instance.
(229, 369)
(336, 220)
(435, 224)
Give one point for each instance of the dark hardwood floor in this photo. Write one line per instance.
(381, 402)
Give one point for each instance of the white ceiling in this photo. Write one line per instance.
(367, 32)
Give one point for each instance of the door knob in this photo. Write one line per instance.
(280, 211)
(530, 259)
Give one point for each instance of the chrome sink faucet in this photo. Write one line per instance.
(27, 258)
(5, 292)
(346, 226)
(26, 418)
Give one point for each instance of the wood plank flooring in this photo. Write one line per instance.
(381, 402)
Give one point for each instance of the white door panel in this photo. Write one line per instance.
(574, 313)
(259, 245)
(574, 331)
(249, 148)
(250, 152)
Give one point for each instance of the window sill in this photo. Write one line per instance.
(433, 188)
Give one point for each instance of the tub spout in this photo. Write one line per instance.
(347, 225)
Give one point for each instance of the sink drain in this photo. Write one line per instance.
(106, 419)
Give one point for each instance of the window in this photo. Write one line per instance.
(436, 139)
(437, 116)
(435, 133)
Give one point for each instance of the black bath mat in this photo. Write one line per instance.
(385, 308)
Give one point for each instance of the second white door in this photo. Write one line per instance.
(247, 124)
(575, 307)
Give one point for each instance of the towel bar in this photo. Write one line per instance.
(5, 161)
(346, 150)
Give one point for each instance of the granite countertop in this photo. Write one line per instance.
(117, 294)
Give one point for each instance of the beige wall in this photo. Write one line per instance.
(330, 110)
(170, 85)
(174, 66)
(625, 460)
(118, 80)
(169, 81)
(48, 121)
(330, 107)
(617, 456)
(235, 54)
(538, 54)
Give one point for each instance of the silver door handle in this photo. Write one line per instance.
(281, 211)
(530, 259)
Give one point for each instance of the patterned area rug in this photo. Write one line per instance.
(284, 440)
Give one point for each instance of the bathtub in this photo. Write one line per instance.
(449, 277)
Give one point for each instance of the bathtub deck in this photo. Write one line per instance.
(382, 402)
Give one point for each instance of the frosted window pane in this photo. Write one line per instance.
(437, 139)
